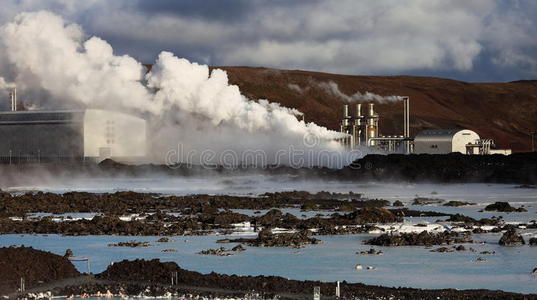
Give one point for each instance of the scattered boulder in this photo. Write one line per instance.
(534, 272)
(511, 238)
(165, 240)
(238, 248)
(503, 207)
(426, 201)
(533, 242)
(169, 250)
(458, 203)
(358, 267)
(398, 203)
(218, 252)
(266, 238)
(370, 252)
(419, 239)
(460, 248)
(443, 250)
(487, 252)
(368, 215)
(481, 259)
(132, 244)
(458, 218)
(69, 253)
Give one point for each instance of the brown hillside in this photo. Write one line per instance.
(506, 112)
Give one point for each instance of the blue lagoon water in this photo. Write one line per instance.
(509, 269)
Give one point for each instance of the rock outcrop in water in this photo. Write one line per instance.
(457, 203)
(511, 238)
(458, 218)
(419, 239)
(503, 207)
(132, 244)
(266, 238)
(35, 266)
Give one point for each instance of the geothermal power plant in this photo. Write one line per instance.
(363, 133)
(95, 135)
(78, 135)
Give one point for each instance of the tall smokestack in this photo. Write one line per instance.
(13, 98)
(406, 123)
(371, 109)
(345, 111)
(358, 110)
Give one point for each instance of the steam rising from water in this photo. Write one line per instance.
(190, 109)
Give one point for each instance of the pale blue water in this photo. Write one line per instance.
(334, 260)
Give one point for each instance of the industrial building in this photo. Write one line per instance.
(442, 141)
(363, 131)
(47, 136)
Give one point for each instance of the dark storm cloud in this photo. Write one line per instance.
(481, 40)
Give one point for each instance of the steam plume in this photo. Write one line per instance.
(188, 107)
(333, 89)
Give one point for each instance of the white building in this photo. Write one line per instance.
(41, 136)
(442, 141)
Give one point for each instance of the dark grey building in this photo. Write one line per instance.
(41, 136)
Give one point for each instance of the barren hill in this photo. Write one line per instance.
(505, 112)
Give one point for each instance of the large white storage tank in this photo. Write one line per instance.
(442, 141)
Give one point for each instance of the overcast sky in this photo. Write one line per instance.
(471, 40)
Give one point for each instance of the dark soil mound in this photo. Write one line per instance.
(34, 266)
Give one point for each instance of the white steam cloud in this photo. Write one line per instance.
(333, 89)
(189, 108)
(6, 85)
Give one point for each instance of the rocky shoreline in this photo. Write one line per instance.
(517, 168)
(154, 278)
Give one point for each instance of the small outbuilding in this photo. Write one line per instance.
(442, 141)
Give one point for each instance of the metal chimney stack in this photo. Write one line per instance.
(406, 123)
(346, 116)
(345, 111)
(358, 110)
(13, 98)
(371, 109)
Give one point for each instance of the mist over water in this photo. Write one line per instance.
(191, 111)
